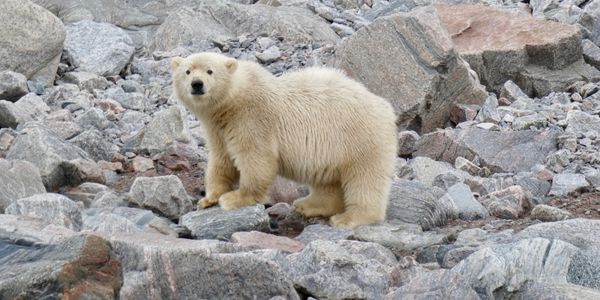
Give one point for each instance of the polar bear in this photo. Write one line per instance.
(315, 126)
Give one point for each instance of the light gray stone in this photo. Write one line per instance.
(85, 80)
(100, 48)
(215, 223)
(546, 213)
(51, 208)
(399, 238)
(582, 233)
(127, 220)
(27, 108)
(508, 203)
(468, 208)
(18, 179)
(164, 194)
(584, 269)
(512, 91)
(591, 53)
(558, 291)
(12, 85)
(437, 284)
(30, 48)
(95, 144)
(579, 122)
(566, 183)
(323, 232)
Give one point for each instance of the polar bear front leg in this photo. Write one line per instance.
(257, 172)
(221, 174)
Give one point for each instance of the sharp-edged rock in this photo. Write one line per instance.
(51, 208)
(215, 223)
(164, 194)
(18, 179)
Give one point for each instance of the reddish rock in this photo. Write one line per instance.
(111, 166)
(266, 241)
(284, 190)
(279, 210)
(509, 203)
(142, 164)
(462, 113)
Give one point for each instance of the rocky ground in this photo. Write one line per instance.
(496, 189)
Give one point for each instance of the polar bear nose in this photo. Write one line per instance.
(197, 87)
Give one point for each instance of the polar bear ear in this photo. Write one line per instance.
(231, 65)
(175, 62)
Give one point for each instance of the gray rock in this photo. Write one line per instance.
(501, 271)
(127, 220)
(584, 269)
(29, 107)
(85, 80)
(582, 233)
(342, 269)
(167, 127)
(499, 151)
(51, 208)
(100, 48)
(422, 75)
(579, 122)
(467, 207)
(413, 202)
(489, 110)
(26, 230)
(547, 213)
(425, 170)
(86, 192)
(215, 223)
(508, 203)
(399, 238)
(406, 142)
(512, 92)
(18, 179)
(323, 232)
(30, 48)
(437, 284)
(133, 100)
(81, 267)
(93, 118)
(538, 188)
(12, 85)
(542, 81)
(589, 21)
(566, 183)
(591, 53)
(108, 200)
(270, 55)
(164, 194)
(95, 144)
(558, 291)
(173, 268)
(50, 154)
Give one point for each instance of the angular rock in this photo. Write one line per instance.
(579, 122)
(499, 151)
(323, 232)
(342, 269)
(426, 170)
(95, 144)
(406, 142)
(18, 179)
(173, 268)
(164, 194)
(486, 38)
(215, 223)
(566, 183)
(142, 164)
(489, 110)
(46, 151)
(12, 86)
(422, 75)
(399, 238)
(546, 213)
(509, 203)
(167, 127)
(85, 80)
(124, 220)
(468, 208)
(80, 267)
(100, 48)
(86, 192)
(108, 200)
(26, 230)
(437, 284)
(93, 118)
(413, 202)
(30, 48)
(591, 53)
(29, 107)
(584, 269)
(582, 233)
(269, 56)
(52, 208)
(263, 240)
(503, 270)
(558, 291)
(285, 190)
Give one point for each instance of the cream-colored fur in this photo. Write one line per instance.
(314, 126)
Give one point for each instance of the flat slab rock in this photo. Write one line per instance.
(215, 223)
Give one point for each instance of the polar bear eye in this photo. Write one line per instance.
(187, 72)
(209, 72)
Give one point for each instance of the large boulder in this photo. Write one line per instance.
(18, 179)
(163, 194)
(410, 60)
(31, 40)
(51, 208)
(540, 56)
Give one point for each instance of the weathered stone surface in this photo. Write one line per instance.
(27, 230)
(80, 267)
(582, 233)
(124, 220)
(467, 207)
(167, 127)
(546, 213)
(173, 268)
(85, 80)
(215, 223)
(565, 183)
(27, 108)
(591, 53)
(342, 269)
(51, 208)
(46, 151)
(30, 48)
(12, 85)
(406, 142)
(426, 170)
(579, 122)
(502, 270)
(437, 284)
(499, 151)
(86, 192)
(508, 203)
(323, 232)
(261, 240)
(584, 269)
(100, 48)
(398, 238)
(558, 291)
(95, 144)
(486, 38)
(285, 190)
(164, 194)
(421, 74)
(18, 179)
(413, 202)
